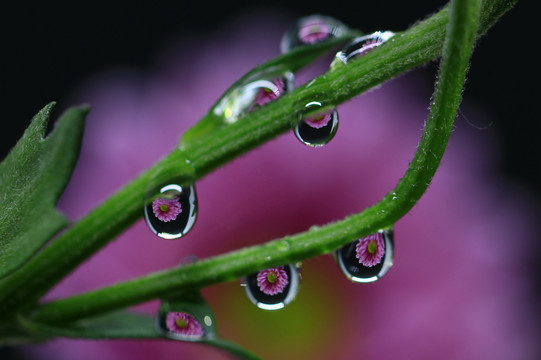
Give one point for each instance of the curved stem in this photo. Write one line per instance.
(418, 45)
(230, 266)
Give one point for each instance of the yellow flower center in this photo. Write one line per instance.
(271, 277)
(181, 323)
(372, 247)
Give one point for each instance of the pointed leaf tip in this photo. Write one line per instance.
(32, 178)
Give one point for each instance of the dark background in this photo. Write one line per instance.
(48, 49)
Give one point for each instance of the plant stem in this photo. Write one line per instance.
(418, 45)
(84, 238)
(456, 54)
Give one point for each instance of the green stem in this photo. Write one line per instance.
(405, 51)
(84, 238)
(420, 44)
(230, 266)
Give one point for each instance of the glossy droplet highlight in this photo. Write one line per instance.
(361, 46)
(171, 211)
(254, 92)
(273, 288)
(367, 259)
(311, 30)
(316, 127)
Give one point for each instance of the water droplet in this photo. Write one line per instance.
(361, 45)
(311, 30)
(171, 210)
(283, 245)
(181, 326)
(187, 319)
(273, 288)
(254, 92)
(367, 259)
(316, 126)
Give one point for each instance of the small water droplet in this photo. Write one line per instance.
(311, 30)
(316, 127)
(273, 288)
(283, 245)
(360, 46)
(254, 92)
(188, 320)
(171, 211)
(367, 259)
(181, 326)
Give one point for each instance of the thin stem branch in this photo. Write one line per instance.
(456, 54)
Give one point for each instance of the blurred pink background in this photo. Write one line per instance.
(461, 286)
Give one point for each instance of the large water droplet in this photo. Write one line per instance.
(253, 93)
(311, 30)
(187, 319)
(273, 288)
(360, 46)
(317, 126)
(367, 259)
(171, 210)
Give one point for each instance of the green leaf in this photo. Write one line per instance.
(132, 325)
(32, 178)
(115, 325)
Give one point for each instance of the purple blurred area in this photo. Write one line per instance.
(464, 281)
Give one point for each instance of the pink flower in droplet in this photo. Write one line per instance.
(272, 281)
(166, 209)
(313, 31)
(267, 94)
(369, 45)
(320, 120)
(370, 250)
(183, 324)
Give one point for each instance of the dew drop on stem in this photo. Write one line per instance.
(361, 46)
(367, 259)
(311, 30)
(171, 210)
(181, 326)
(273, 288)
(253, 93)
(186, 319)
(317, 126)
